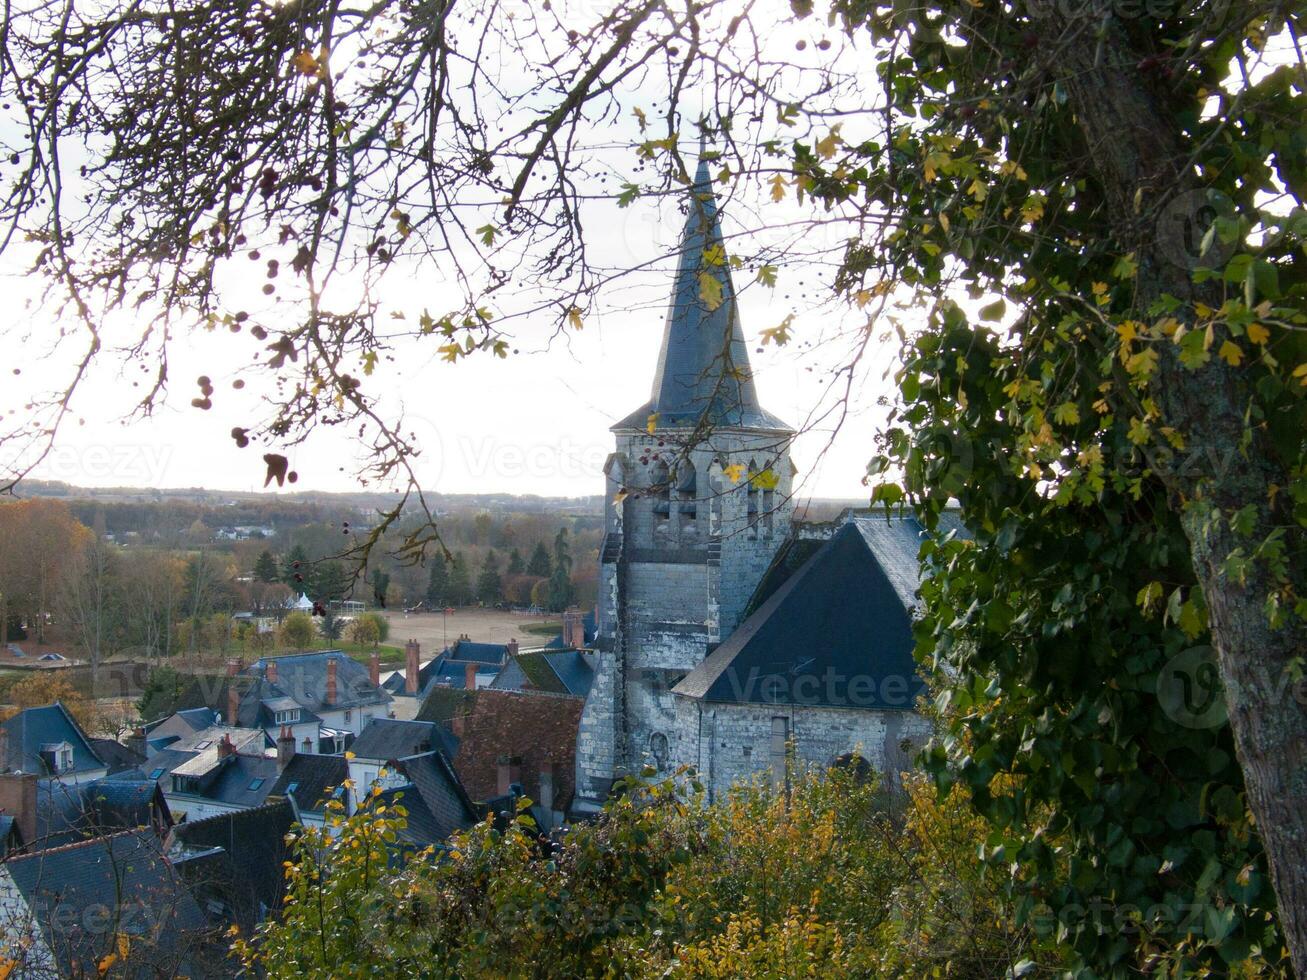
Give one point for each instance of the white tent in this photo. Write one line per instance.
(303, 603)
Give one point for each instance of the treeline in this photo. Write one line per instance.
(64, 582)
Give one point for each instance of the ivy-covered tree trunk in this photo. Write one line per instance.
(1140, 158)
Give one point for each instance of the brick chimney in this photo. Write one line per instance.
(411, 667)
(270, 671)
(509, 771)
(511, 650)
(470, 676)
(136, 741)
(308, 745)
(225, 747)
(285, 747)
(374, 668)
(18, 800)
(233, 704)
(233, 667)
(331, 680)
(574, 629)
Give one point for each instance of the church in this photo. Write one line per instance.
(731, 638)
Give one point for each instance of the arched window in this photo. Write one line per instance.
(687, 493)
(659, 749)
(661, 490)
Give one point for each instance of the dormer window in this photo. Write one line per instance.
(288, 716)
(65, 759)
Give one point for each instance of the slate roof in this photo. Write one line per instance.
(314, 778)
(182, 723)
(32, 728)
(836, 633)
(553, 671)
(245, 781)
(703, 368)
(463, 650)
(442, 672)
(389, 738)
(435, 801)
(246, 874)
(66, 813)
(68, 888)
(303, 676)
(589, 622)
(115, 755)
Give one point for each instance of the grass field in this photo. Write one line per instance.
(435, 631)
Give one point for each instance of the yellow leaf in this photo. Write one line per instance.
(306, 64)
(943, 222)
(710, 290)
(1127, 331)
(829, 144)
(778, 187)
(574, 318)
(734, 472)
(978, 190)
(1258, 334)
(652, 423)
(1231, 353)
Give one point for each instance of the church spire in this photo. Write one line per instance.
(703, 370)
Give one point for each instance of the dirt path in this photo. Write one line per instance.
(433, 631)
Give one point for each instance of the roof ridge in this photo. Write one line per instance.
(269, 801)
(85, 842)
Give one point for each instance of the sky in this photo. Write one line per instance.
(535, 423)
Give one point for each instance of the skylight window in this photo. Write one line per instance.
(156, 773)
(292, 787)
(205, 744)
(255, 784)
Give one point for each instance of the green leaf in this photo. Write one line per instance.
(994, 311)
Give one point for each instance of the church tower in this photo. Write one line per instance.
(698, 500)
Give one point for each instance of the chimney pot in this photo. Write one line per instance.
(511, 649)
(470, 676)
(285, 747)
(270, 671)
(374, 668)
(411, 651)
(225, 747)
(331, 680)
(233, 704)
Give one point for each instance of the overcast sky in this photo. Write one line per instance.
(536, 423)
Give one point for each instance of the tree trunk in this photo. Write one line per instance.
(1139, 156)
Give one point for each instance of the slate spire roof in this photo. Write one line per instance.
(703, 370)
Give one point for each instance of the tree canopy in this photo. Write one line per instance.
(1082, 223)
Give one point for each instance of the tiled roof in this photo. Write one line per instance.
(33, 728)
(313, 778)
(703, 367)
(70, 888)
(539, 730)
(808, 644)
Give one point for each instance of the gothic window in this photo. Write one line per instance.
(768, 508)
(658, 748)
(715, 491)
